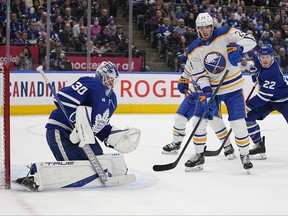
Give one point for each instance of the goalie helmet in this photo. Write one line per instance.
(204, 19)
(108, 74)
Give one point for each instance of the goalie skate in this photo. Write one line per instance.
(27, 183)
(171, 148)
(229, 152)
(258, 152)
(247, 165)
(195, 162)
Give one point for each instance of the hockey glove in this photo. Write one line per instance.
(234, 52)
(254, 74)
(193, 97)
(209, 105)
(183, 85)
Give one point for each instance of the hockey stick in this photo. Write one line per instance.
(217, 152)
(172, 165)
(107, 181)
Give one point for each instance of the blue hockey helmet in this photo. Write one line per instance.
(266, 49)
(108, 74)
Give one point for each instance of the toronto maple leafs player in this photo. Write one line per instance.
(89, 104)
(214, 52)
(272, 95)
(185, 112)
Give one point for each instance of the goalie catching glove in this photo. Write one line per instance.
(234, 52)
(123, 141)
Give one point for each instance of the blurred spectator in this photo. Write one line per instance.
(283, 59)
(112, 50)
(182, 12)
(139, 11)
(284, 30)
(151, 27)
(83, 38)
(276, 23)
(58, 26)
(24, 61)
(266, 38)
(15, 27)
(239, 13)
(111, 26)
(57, 13)
(41, 24)
(165, 9)
(268, 29)
(103, 37)
(181, 27)
(63, 63)
(113, 7)
(95, 48)
(232, 7)
(33, 33)
(75, 45)
(255, 32)
(267, 16)
(76, 26)
(69, 18)
(171, 43)
(259, 25)
(24, 22)
(218, 21)
(95, 29)
(244, 23)
(81, 10)
(162, 33)
(277, 41)
(173, 19)
(190, 35)
(245, 65)
(181, 50)
(103, 19)
(232, 21)
(17, 7)
(105, 47)
(96, 10)
(190, 20)
(224, 12)
(119, 34)
(65, 36)
(23, 39)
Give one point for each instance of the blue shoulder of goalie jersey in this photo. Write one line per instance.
(219, 32)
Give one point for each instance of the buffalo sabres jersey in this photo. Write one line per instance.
(86, 91)
(273, 86)
(209, 59)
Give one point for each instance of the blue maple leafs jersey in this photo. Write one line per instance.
(86, 91)
(273, 86)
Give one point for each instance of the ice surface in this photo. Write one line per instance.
(222, 188)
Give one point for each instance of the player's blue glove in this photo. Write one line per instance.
(193, 97)
(183, 85)
(234, 53)
(209, 107)
(254, 74)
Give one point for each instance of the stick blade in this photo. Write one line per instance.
(164, 167)
(212, 153)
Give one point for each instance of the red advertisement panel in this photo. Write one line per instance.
(79, 63)
(15, 51)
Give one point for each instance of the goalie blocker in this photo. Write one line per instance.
(75, 174)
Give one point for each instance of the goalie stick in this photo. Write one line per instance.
(172, 165)
(217, 152)
(107, 181)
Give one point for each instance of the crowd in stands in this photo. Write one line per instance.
(170, 25)
(68, 30)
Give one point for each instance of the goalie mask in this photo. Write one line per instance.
(204, 20)
(266, 55)
(108, 74)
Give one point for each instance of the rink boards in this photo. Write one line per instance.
(137, 92)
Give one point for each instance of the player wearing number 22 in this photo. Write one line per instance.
(89, 103)
(214, 52)
(272, 95)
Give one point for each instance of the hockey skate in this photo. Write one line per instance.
(27, 183)
(247, 165)
(258, 151)
(171, 148)
(229, 152)
(195, 162)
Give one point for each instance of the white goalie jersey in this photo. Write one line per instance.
(209, 59)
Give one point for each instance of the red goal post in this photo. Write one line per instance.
(5, 172)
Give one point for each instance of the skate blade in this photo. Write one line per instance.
(261, 156)
(196, 168)
(170, 152)
(231, 156)
(23, 186)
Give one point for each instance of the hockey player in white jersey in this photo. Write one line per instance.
(184, 113)
(214, 52)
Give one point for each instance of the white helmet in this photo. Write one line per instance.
(204, 19)
(108, 74)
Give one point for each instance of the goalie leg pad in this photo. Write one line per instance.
(75, 174)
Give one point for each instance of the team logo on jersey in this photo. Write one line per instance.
(214, 62)
(101, 121)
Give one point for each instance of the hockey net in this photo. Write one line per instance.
(4, 127)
